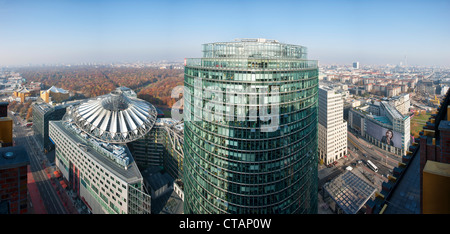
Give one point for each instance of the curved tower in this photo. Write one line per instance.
(250, 133)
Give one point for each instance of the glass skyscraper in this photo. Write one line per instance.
(250, 133)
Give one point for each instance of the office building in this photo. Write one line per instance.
(250, 129)
(444, 89)
(382, 125)
(159, 155)
(6, 126)
(356, 65)
(332, 126)
(402, 103)
(6, 131)
(161, 147)
(4, 109)
(14, 163)
(92, 155)
(420, 183)
(43, 113)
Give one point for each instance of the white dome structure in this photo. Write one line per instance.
(114, 118)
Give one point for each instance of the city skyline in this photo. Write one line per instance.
(97, 153)
(335, 32)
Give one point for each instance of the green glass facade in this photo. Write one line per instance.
(232, 162)
(42, 114)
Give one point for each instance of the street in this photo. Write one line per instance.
(385, 161)
(24, 136)
(359, 152)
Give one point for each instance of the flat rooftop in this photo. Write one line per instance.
(43, 107)
(392, 110)
(130, 175)
(382, 119)
(405, 199)
(13, 156)
(175, 124)
(167, 203)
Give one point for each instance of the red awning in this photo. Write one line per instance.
(63, 184)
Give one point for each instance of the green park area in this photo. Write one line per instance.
(418, 120)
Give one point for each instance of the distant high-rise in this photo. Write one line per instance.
(356, 65)
(250, 114)
(332, 126)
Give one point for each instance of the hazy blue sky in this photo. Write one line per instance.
(72, 31)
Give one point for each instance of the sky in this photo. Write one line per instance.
(335, 32)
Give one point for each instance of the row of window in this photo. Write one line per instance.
(252, 64)
(256, 77)
(297, 198)
(92, 173)
(286, 114)
(221, 145)
(214, 98)
(252, 173)
(252, 48)
(272, 85)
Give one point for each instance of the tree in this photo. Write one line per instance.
(29, 113)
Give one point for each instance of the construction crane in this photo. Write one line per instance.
(435, 101)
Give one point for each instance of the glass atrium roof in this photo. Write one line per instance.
(349, 191)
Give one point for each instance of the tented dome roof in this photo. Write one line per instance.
(114, 118)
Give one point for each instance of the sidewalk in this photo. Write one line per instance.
(36, 200)
(62, 194)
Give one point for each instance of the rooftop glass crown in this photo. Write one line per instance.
(254, 48)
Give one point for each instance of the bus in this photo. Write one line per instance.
(372, 166)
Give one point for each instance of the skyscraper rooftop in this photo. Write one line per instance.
(254, 48)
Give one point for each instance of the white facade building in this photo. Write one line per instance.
(105, 186)
(92, 155)
(332, 126)
(402, 103)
